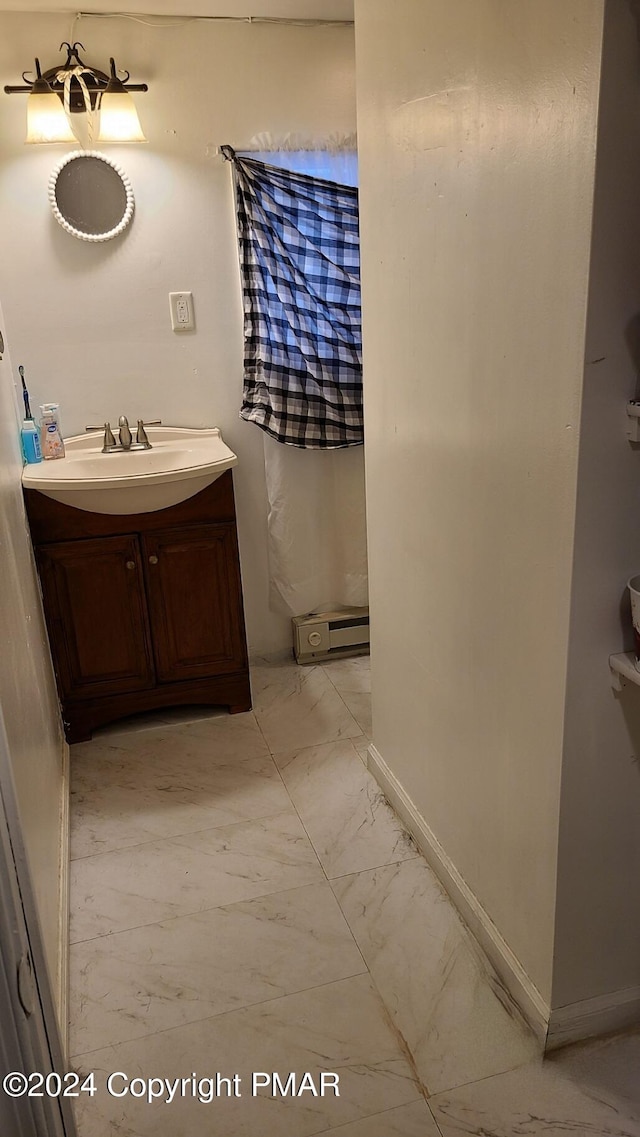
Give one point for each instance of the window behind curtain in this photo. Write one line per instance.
(334, 165)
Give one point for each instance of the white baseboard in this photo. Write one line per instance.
(510, 971)
(575, 1022)
(62, 978)
(591, 1017)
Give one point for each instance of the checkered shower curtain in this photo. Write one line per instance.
(300, 265)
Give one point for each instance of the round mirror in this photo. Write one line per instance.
(91, 197)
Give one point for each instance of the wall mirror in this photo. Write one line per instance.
(91, 196)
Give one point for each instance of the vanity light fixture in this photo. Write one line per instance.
(46, 120)
(119, 120)
(74, 88)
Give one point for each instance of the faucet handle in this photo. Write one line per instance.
(108, 442)
(141, 435)
(142, 438)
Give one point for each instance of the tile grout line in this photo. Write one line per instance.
(181, 836)
(293, 804)
(369, 868)
(235, 1011)
(327, 878)
(308, 670)
(401, 1040)
(218, 1014)
(374, 868)
(453, 1089)
(404, 1046)
(339, 692)
(212, 908)
(402, 1043)
(435, 1120)
(367, 1117)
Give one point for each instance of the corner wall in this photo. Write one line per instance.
(476, 125)
(598, 907)
(91, 323)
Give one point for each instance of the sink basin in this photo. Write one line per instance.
(180, 464)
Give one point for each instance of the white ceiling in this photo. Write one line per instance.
(282, 9)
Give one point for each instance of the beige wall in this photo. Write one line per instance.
(28, 701)
(598, 917)
(476, 125)
(91, 323)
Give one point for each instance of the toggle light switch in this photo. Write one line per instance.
(181, 305)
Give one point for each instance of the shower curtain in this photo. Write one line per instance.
(316, 497)
(317, 528)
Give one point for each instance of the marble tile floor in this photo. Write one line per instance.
(245, 900)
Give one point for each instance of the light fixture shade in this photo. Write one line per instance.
(46, 120)
(119, 120)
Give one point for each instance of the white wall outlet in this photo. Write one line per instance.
(181, 305)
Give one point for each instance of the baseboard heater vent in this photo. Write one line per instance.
(327, 635)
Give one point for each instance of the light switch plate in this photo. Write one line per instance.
(181, 306)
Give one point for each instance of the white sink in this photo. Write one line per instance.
(180, 464)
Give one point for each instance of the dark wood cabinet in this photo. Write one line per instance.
(83, 581)
(143, 611)
(193, 599)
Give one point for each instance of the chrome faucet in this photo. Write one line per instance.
(124, 433)
(125, 439)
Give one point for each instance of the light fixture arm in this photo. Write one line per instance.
(114, 75)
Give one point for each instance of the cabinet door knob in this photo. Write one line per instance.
(153, 560)
(131, 564)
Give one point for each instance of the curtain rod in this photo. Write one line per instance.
(188, 19)
(265, 143)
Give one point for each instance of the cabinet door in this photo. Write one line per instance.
(96, 614)
(195, 601)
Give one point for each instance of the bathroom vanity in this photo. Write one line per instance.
(143, 610)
